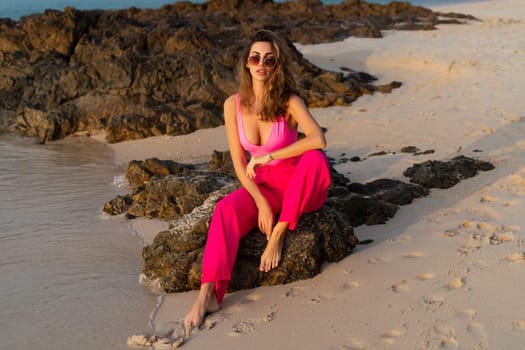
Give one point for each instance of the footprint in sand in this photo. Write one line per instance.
(250, 325)
(375, 260)
(451, 233)
(413, 255)
(252, 298)
(447, 335)
(468, 314)
(476, 226)
(439, 336)
(484, 233)
(293, 292)
(449, 343)
(463, 251)
(514, 185)
(400, 287)
(432, 303)
(353, 344)
(516, 257)
(477, 329)
(425, 276)
(171, 339)
(518, 325)
(502, 237)
(399, 239)
(488, 199)
(244, 327)
(488, 227)
(468, 224)
(391, 336)
(403, 286)
(315, 300)
(350, 285)
(456, 283)
(517, 180)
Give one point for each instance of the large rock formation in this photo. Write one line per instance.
(172, 263)
(186, 196)
(138, 73)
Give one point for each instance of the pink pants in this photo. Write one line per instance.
(292, 187)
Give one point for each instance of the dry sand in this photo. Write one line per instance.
(447, 272)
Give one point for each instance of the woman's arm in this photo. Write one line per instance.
(314, 136)
(239, 161)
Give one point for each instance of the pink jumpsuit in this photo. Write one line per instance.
(291, 186)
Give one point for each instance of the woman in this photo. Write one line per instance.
(284, 175)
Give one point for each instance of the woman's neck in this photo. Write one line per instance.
(258, 94)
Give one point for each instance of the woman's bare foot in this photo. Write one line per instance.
(206, 303)
(271, 257)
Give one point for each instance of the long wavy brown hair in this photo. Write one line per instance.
(279, 86)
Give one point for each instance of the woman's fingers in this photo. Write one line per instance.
(250, 171)
(266, 228)
(252, 164)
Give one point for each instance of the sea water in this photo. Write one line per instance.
(68, 271)
(14, 9)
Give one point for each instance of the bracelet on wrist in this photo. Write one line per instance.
(270, 156)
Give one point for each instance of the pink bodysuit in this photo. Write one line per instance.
(291, 186)
(280, 136)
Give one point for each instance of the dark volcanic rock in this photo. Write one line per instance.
(140, 172)
(186, 195)
(118, 205)
(139, 73)
(363, 209)
(166, 190)
(438, 174)
(172, 262)
(375, 202)
(392, 191)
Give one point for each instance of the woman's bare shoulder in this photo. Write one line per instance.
(230, 107)
(295, 100)
(295, 104)
(230, 100)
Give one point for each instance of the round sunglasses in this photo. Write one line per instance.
(268, 62)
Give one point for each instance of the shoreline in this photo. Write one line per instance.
(444, 271)
(16, 14)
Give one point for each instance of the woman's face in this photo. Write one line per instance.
(261, 60)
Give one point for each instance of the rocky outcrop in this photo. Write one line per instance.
(375, 202)
(438, 174)
(168, 190)
(186, 196)
(139, 73)
(172, 263)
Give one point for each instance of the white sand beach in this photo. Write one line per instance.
(447, 272)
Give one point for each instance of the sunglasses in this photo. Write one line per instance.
(268, 62)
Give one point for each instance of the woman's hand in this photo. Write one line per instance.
(266, 219)
(256, 162)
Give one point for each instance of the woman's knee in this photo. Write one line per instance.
(227, 204)
(220, 205)
(315, 162)
(314, 155)
(314, 159)
(237, 204)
